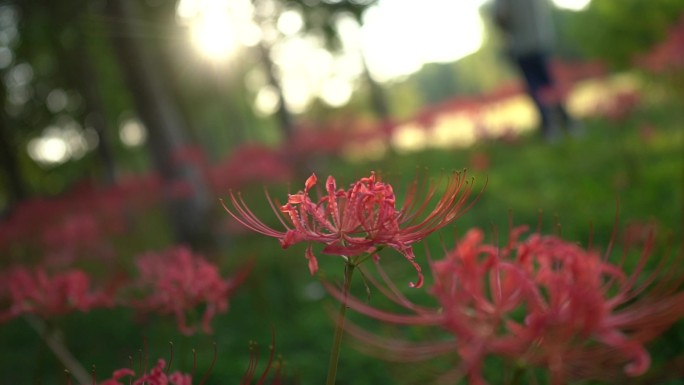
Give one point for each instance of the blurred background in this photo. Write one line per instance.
(122, 123)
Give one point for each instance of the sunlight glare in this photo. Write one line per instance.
(59, 142)
(336, 91)
(51, 149)
(409, 138)
(267, 101)
(290, 22)
(400, 36)
(573, 5)
(213, 35)
(218, 27)
(132, 132)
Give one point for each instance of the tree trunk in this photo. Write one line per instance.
(97, 114)
(8, 157)
(378, 99)
(283, 115)
(186, 193)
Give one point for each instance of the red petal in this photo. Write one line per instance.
(310, 182)
(313, 262)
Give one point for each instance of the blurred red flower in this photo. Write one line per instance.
(177, 281)
(541, 301)
(47, 294)
(156, 375)
(159, 374)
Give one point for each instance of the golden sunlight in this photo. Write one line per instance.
(213, 35)
(218, 27)
(398, 37)
(573, 5)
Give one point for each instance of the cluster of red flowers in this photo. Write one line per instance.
(46, 294)
(668, 55)
(177, 281)
(62, 237)
(159, 374)
(542, 301)
(80, 223)
(174, 282)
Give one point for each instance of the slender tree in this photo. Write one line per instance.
(322, 17)
(8, 156)
(187, 194)
(77, 67)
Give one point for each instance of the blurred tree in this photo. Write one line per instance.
(266, 14)
(8, 157)
(319, 20)
(186, 192)
(283, 115)
(321, 16)
(74, 63)
(9, 162)
(29, 78)
(616, 31)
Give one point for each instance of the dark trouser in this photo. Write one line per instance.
(535, 69)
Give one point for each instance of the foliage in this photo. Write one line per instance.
(616, 31)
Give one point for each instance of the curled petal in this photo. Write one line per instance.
(310, 182)
(640, 359)
(313, 262)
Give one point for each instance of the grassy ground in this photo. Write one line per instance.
(576, 184)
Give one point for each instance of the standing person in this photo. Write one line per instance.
(529, 37)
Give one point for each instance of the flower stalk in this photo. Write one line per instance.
(339, 324)
(58, 349)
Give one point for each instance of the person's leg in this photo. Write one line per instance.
(549, 97)
(537, 78)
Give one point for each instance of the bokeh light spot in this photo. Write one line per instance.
(132, 132)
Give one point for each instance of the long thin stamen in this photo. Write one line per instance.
(211, 367)
(251, 366)
(168, 367)
(194, 362)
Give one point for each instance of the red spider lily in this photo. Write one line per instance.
(249, 164)
(542, 301)
(45, 294)
(178, 281)
(668, 55)
(159, 374)
(361, 220)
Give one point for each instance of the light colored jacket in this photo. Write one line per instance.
(527, 25)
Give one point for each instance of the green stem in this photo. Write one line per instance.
(518, 375)
(60, 350)
(339, 325)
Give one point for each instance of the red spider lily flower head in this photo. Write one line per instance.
(159, 374)
(542, 301)
(361, 219)
(47, 294)
(177, 282)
